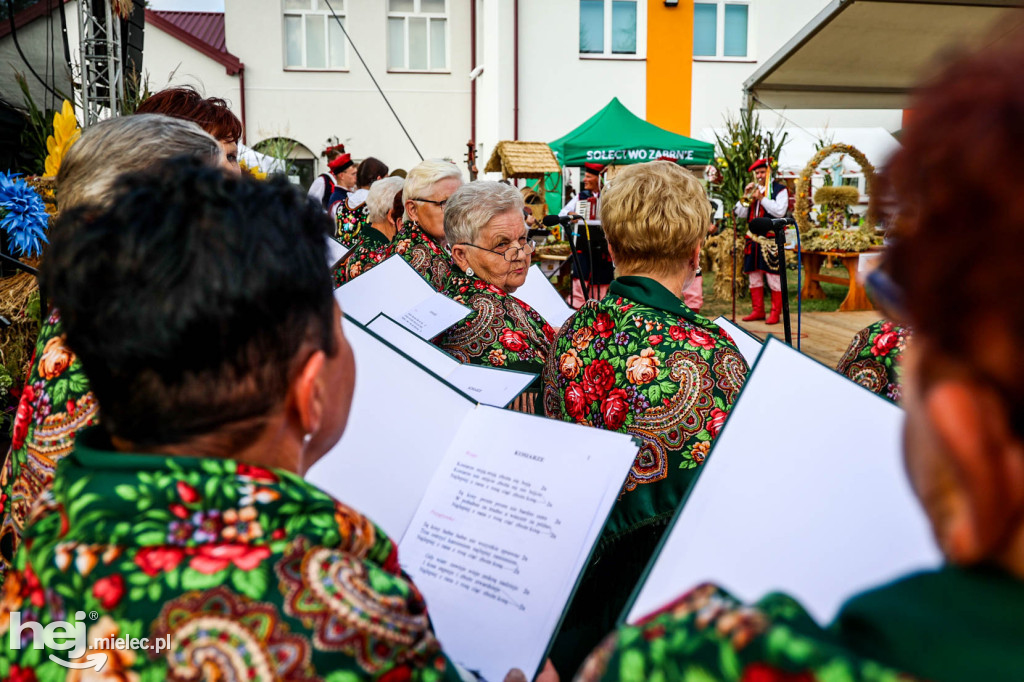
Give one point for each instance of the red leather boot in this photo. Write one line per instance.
(757, 298)
(773, 316)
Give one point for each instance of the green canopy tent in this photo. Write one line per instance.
(617, 135)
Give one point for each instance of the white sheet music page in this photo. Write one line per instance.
(486, 385)
(804, 493)
(539, 294)
(748, 346)
(504, 530)
(401, 423)
(335, 251)
(432, 315)
(397, 290)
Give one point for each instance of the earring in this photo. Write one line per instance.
(469, 272)
(305, 440)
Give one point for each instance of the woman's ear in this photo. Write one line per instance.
(459, 256)
(611, 252)
(411, 211)
(308, 395)
(979, 444)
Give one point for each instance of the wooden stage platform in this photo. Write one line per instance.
(825, 336)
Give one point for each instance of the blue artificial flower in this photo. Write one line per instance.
(22, 215)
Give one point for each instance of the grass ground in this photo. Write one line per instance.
(835, 293)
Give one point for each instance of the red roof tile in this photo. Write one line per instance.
(206, 26)
(202, 30)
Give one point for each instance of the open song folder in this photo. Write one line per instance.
(395, 289)
(820, 510)
(495, 512)
(541, 295)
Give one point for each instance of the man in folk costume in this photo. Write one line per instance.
(762, 201)
(341, 166)
(601, 274)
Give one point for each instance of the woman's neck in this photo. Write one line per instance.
(386, 229)
(273, 448)
(675, 282)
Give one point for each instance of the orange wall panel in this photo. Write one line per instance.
(670, 64)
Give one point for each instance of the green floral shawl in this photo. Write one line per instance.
(640, 362)
(419, 249)
(251, 574)
(55, 403)
(501, 331)
(946, 625)
(873, 358)
(368, 251)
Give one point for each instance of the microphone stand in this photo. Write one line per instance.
(576, 262)
(779, 225)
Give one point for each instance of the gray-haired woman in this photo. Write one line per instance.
(483, 224)
(373, 240)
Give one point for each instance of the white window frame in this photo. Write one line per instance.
(720, 31)
(641, 34)
(339, 9)
(416, 13)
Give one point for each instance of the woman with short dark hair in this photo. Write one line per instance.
(184, 518)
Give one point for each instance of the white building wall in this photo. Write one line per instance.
(169, 62)
(557, 89)
(718, 85)
(311, 106)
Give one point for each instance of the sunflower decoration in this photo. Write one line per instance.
(23, 216)
(252, 171)
(65, 132)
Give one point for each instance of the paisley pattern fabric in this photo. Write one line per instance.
(248, 573)
(55, 403)
(351, 220)
(368, 251)
(501, 331)
(707, 635)
(418, 249)
(944, 625)
(638, 362)
(873, 359)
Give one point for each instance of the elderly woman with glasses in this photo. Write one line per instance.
(640, 362)
(483, 222)
(421, 241)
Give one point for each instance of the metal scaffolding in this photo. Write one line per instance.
(100, 44)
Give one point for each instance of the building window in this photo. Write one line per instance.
(720, 29)
(312, 38)
(417, 35)
(612, 27)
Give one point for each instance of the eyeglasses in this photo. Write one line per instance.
(512, 252)
(439, 204)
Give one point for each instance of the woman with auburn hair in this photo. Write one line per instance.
(211, 113)
(57, 399)
(963, 437)
(640, 362)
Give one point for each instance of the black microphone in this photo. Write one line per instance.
(552, 220)
(782, 222)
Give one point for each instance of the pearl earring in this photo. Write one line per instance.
(305, 440)
(469, 271)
